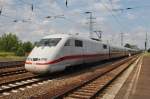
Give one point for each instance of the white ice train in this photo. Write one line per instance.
(58, 51)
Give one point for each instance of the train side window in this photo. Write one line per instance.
(68, 43)
(78, 43)
(104, 46)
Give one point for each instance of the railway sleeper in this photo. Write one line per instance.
(79, 96)
(103, 79)
(89, 87)
(95, 87)
(89, 90)
(96, 83)
(86, 90)
(82, 93)
(12, 71)
(92, 89)
(69, 98)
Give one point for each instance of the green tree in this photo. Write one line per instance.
(127, 45)
(0, 44)
(9, 42)
(20, 51)
(28, 46)
(148, 50)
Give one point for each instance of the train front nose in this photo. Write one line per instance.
(37, 68)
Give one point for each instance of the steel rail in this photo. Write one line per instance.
(90, 88)
(10, 64)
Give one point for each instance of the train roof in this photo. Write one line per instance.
(57, 36)
(68, 36)
(75, 37)
(83, 38)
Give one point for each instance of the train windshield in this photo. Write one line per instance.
(49, 42)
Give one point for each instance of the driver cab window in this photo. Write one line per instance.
(49, 42)
(68, 43)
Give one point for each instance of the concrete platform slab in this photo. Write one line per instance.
(137, 85)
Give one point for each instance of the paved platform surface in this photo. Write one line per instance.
(137, 85)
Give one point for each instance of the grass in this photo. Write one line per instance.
(10, 56)
(146, 54)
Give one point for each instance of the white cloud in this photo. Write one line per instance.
(74, 22)
(130, 16)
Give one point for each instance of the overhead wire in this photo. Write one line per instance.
(141, 17)
(30, 4)
(114, 16)
(130, 8)
(33, 7)
(10, 17)
(16, 19)
(111, 3)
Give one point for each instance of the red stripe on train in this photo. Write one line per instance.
(68, 58)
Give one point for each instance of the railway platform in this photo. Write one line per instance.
(137, 85)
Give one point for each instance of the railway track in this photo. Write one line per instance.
(8, 73)
(20, 84)
(92, 87)
(11, 64)
(9, 70)
(5, 88)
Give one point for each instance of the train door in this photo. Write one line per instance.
(78, 51)
(106, 51)
(109, 51)
(66, 53)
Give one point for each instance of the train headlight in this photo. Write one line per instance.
(29, 59)
(36, 59)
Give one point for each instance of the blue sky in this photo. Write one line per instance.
(32, 25)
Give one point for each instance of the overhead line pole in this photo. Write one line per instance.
(146, 43)
(90, 24)
(121, 39)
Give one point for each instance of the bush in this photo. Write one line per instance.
(8, 41)
(27, 46)
(20, 52)
(148, 50)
